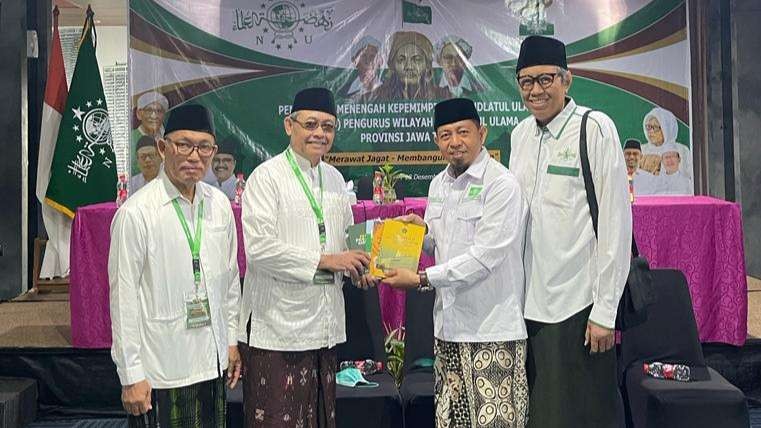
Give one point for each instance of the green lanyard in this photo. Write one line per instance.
(317, 208)
(195, 244)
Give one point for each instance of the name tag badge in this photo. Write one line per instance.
(197, 310)
(323, 277)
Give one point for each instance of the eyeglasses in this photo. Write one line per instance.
(147, 156)
(312, 125)
(652, 127)
(185, 148)
(545, 80)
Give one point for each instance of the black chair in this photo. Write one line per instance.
(670, 335)
(418, 385)
(379, 407)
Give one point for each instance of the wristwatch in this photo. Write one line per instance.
(424, 284)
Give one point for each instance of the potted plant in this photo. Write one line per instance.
(394, 345)
(390, 177)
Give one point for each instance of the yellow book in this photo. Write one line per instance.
(395, 245)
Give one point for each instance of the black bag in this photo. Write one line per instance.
(638, 291)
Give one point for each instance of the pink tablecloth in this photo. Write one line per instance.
(703, 238)
(698, 235)
(88, 278)
(90, 240)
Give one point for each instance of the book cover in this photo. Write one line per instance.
(356, 237)
(396, 245)
(360, 236)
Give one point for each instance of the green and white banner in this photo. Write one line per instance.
(389, 62)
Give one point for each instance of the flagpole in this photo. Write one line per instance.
(87, 26)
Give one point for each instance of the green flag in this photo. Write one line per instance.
(83, 169)
(415, 14)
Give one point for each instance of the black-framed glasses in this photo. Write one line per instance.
(185, 147)
(545, 80)
(312, 125)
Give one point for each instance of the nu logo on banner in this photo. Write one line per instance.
(283, 23)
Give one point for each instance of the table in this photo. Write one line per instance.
(88, 278)
(700, 236)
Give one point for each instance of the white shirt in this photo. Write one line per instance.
(357, 88)
(476, 224)
(136, 182)
(227, 187)
(644, 183)
(463, 85)
(150, 271)
(567, 269)
(674, 184)
(287, 311)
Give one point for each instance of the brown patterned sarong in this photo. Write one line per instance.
(481, 384)
(289, 389)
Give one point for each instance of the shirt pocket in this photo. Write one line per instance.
(166, 303)
(215, 252)
(468, 215)
(558, 186)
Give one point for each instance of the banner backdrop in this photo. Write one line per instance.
(388, 62)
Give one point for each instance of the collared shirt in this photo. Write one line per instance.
(150, 271)
(644, 183)
(674, 184)
(463, 85)
(136, 182)
(282, 308)
(357, 88)
(227, 187)
(476, 225)
(567, 269)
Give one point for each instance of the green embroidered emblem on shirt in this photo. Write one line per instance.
(474, 191)
(563, 170)
(567, 154)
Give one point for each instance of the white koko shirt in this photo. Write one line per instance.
(150, 270)
(282, 309)
(567, 269)
(476, 226)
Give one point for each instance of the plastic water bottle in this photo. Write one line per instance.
(240, 186)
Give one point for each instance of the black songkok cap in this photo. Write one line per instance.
(318, 99)
(633, 143)
(454, 110)
(539, 50)
(145, 141)
(190, 117)
(229, 146)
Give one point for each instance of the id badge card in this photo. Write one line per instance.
(197, 310)
(322, 277)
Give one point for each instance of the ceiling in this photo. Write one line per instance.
(107, 12)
